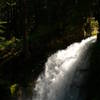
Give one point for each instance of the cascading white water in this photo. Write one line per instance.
(62, 75)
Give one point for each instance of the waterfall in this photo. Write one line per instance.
(63, 73)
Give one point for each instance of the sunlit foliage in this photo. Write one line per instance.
(91, 27)
(13, 89)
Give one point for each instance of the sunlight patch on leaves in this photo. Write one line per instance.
(91, 27)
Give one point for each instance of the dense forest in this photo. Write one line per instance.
(31, 30)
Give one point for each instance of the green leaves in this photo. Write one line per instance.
(2, 31)
(13, 89)
(2, 27)
(3, 22)
(91, 27)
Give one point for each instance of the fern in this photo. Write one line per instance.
(2, 27)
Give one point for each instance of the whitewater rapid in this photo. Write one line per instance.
(63, 74)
